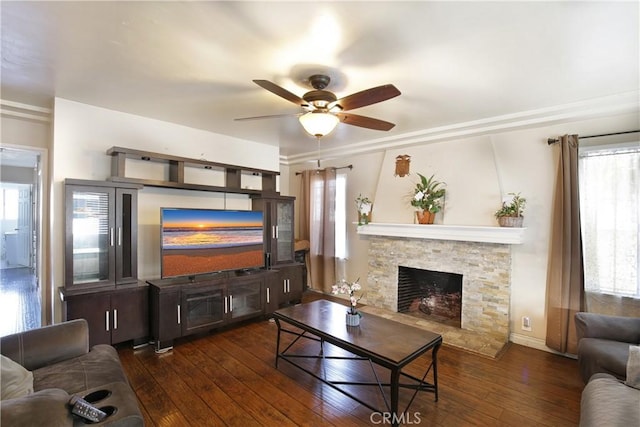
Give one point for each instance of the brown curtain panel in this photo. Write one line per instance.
(565, 274)
(317, 224)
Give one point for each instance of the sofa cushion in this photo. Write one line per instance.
(100, 366)
(633, 367)
(601, 355)
(39, 347)
(614, 328)
(16, 380)
(42, 408)
(606, 401)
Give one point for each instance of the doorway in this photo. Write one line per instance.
(20, 270)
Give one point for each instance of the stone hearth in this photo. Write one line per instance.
(486, 271)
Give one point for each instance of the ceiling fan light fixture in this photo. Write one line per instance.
(319, 123)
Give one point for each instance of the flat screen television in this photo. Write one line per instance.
(200, 241)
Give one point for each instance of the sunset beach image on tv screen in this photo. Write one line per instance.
(198, 241)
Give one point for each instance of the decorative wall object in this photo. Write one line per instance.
(402, 165)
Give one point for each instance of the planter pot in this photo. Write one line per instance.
(425, 217)
(511, 221)
(364, 218)
(353, 319)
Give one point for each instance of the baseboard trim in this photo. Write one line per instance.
(537, 343)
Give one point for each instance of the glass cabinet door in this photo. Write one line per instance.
(126, 236)
(90, 236)
(245, 298)
(202, 308)
(284, 235)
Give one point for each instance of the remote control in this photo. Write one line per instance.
(86, 410)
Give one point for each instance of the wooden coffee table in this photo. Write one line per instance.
(384, 342)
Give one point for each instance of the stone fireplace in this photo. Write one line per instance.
(485, 268)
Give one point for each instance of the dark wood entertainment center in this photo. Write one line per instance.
(101, 282)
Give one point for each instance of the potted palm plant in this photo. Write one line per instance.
(428, 196)
(510, 214)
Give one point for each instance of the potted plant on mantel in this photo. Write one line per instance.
(428, 195)
(364, 206)
(510, 214)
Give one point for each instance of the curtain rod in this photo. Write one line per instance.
(554, 140)
(341, 167)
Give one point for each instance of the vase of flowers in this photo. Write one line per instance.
(343, 287)
(364, 206)
(427, 196)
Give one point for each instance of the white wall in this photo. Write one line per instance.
(32, 133)
(83, 134)
(478, 171)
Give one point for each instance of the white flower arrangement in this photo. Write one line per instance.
(344, 287)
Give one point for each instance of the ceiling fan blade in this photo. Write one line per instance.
(281, 92)
(367, 97)
(270, 116)
(364, 122)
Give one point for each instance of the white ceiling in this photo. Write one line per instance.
(193, 62)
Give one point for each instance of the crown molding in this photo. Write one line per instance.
(627, 102)
(24, 111)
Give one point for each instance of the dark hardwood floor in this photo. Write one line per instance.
(228, 378)
(20, 304)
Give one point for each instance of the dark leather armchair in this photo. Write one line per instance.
(62, 365)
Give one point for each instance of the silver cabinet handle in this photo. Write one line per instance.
(119, 236)
(268, 299)
(115, 319)
(231, 303)
(284, 286)
(225, 306)
(106, 319)
(276, 231)
(273, 232)
(111, 236)
(179, 318)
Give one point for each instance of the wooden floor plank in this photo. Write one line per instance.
(178, 388)
(262, 364)
(228, 378)
(262, 410)
(220, 403)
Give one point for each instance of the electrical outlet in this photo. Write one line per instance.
(526, 323)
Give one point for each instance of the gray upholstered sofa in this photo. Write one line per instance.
(604, 342)
(603, 356)
(62, 365)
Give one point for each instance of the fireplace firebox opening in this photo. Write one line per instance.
(432, 295)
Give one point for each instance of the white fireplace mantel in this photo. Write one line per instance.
(465, 233)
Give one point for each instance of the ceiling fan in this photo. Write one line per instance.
(322, 110)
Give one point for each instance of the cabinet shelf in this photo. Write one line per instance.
(177, 165)
(185, 186)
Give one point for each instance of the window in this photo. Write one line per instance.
(609, 179)
(341, 216)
